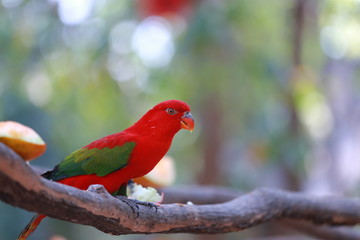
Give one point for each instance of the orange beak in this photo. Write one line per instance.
(187, 122)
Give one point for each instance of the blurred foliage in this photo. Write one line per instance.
(275, 102)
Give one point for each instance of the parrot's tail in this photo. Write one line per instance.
(31, 226)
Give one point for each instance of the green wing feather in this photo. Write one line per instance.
(92, 161)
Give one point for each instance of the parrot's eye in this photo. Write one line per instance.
(171, 111)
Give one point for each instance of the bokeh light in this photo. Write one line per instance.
(153, 42)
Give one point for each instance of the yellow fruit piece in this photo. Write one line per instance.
(22, 139)
(161, 176)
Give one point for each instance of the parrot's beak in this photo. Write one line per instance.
(187, 122)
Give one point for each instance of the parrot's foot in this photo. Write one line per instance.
(133, 204)
(147, 204)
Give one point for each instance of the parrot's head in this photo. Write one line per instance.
(169, 117)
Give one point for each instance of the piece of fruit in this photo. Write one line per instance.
(22, 139)
(161, 176)
(145, 194)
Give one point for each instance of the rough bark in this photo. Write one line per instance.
(23, 188)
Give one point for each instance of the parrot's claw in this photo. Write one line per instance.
(131, 203)
(147, 204)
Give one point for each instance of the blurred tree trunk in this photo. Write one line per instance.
(211, 122)
(298, 19)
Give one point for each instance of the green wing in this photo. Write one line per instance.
(94, 161)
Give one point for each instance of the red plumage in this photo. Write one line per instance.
(153, 135)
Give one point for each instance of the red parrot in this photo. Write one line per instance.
(117, 158)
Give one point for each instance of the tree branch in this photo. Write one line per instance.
(212, 195)
(21, 187)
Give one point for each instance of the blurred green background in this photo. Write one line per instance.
(273, 85)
